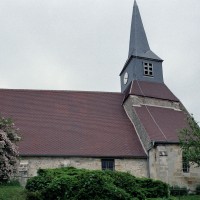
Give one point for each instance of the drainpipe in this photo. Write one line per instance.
(148, 163)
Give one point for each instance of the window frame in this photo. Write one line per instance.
(185, 164)
(108, 164)
(148, 69)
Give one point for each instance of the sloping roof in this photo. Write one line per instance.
(68, 123)
(162, 124)
(150, 89)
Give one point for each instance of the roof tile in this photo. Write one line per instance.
(68, 123)
(162, 124)
(151, 89)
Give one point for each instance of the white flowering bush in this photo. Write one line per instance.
(8, 149)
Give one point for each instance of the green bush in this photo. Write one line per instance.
(97, 185)
(37, 183)
(34, 196)
(107, 192)
(127, 182)
(198, 189)
(86, 185)
(123, 180)
(60, 172)
(12, 182)
(178, 191)
(153, 188)
(61, 187)
(77, 184)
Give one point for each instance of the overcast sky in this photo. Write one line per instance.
(83, 44)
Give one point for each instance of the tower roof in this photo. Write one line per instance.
(139, 45)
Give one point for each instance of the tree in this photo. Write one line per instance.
(8, 149)
(190, 141)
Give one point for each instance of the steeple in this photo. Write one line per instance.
(142, 63)
(139, 45)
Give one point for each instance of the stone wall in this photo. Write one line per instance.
(165, 163)
(29, 165)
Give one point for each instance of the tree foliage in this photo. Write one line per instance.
(190, 141)
(8, 149)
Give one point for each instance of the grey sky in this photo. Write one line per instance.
(83, 45)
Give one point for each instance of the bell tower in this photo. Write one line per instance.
(142, 64)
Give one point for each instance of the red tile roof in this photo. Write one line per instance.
(150, 89)
(67, 123)
(162, 124)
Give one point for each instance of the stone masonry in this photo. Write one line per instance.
(30, 165)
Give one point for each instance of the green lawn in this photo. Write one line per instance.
(190, 197)
(12, 193)
(195, 197)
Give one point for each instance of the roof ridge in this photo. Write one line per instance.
(46, 90)
(155, 90)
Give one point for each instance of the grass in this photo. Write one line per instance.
(189, 197)
(12, 193)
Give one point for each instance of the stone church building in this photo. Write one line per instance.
(135, 130)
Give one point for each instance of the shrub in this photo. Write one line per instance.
(37, 183)
(34, 196)
(77, 184)
(153, 188)
(60, 171)
(98, 185)
(11, 182)
(198, 189)
(127, 182)
(122, 180)
(178, 191)
(61, 188)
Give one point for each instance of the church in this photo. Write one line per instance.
(135, 130)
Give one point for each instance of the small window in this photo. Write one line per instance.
(185, 164)
(163, 153)
(108, 164)
(148, 69)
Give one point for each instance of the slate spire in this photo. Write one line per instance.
(139, 45)
(142, 64)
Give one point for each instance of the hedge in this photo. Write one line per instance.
(78, 184)
(178, 191)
